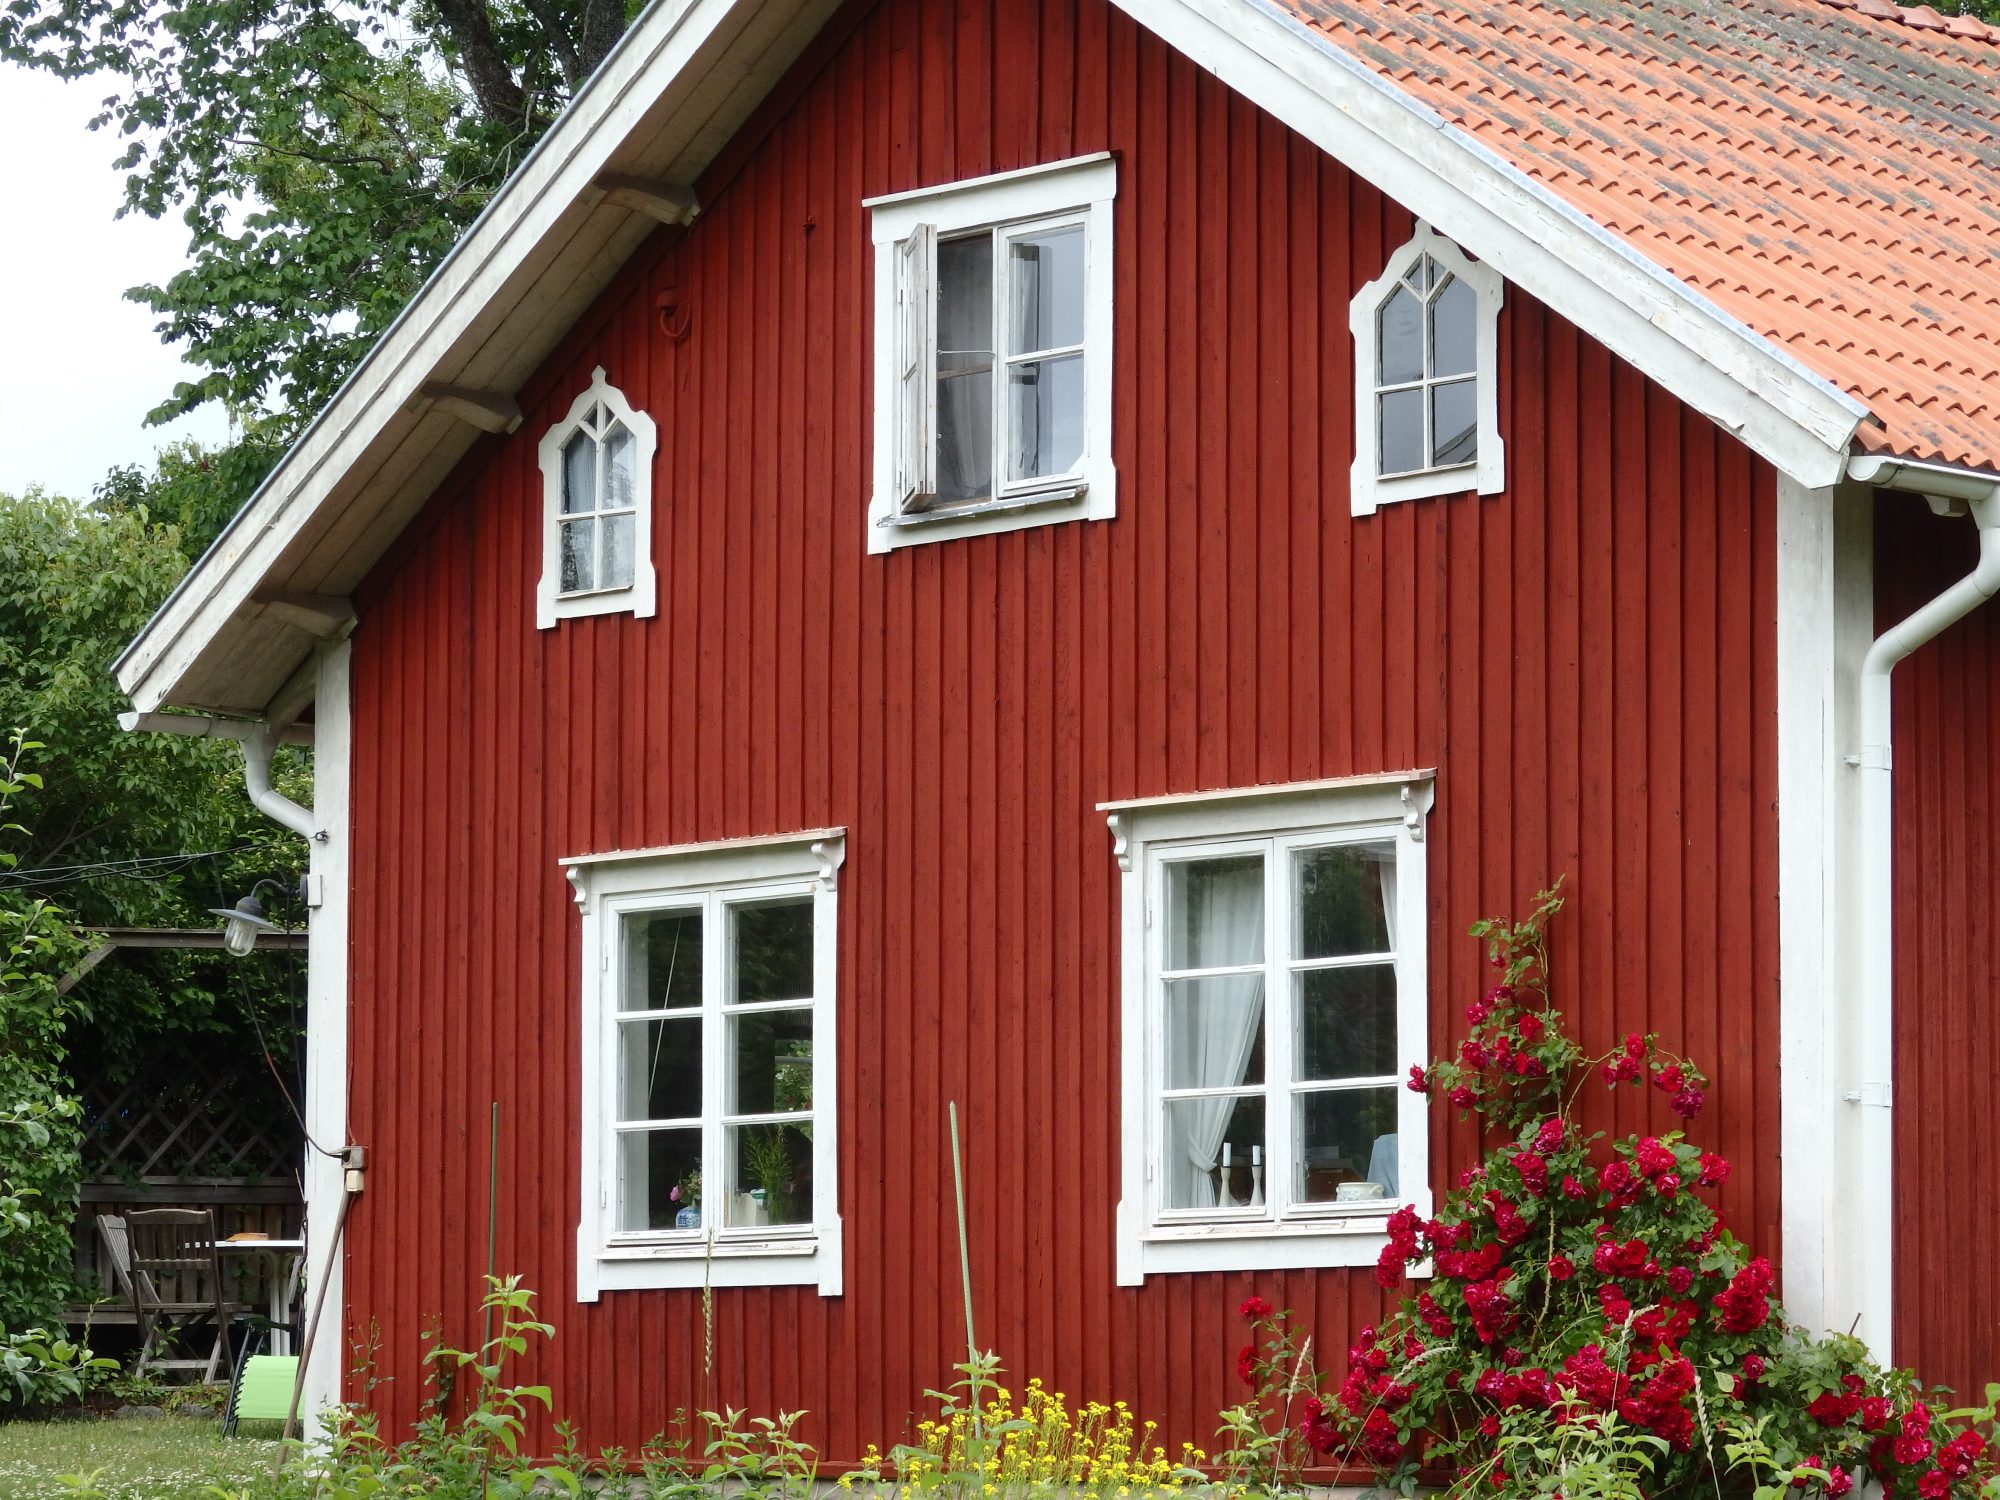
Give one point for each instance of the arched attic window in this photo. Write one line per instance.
(597, 509)
(1426, 340)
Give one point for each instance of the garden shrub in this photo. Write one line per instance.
(1590, 1326)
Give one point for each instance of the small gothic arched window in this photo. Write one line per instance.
(597, 466)
(1426, 419)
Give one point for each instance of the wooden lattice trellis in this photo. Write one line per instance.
(197, 1121)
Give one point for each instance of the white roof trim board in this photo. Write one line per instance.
(678, 86)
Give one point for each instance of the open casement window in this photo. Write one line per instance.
(993, 354)
(1274, 1003)
(597, 509)
(708, 1022)
(1426, 340)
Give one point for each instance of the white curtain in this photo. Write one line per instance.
(1216, 1035)
(1383, 1160)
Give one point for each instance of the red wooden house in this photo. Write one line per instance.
(1052, 555)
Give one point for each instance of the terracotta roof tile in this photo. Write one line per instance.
(1828, 171)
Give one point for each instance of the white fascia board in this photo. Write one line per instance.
(1796, 419)
(557, 176)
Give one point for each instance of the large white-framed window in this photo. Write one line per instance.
(1426, 377)
(993, 327)
(709, 1121)
(597, 509)
(1274, 1000)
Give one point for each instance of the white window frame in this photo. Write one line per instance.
(1487, 473)
(1388, 808)
(905, 229)
(608, 888)
(638, 598)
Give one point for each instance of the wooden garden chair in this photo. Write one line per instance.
(177, 1287)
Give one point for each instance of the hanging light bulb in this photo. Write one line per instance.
(242, 924)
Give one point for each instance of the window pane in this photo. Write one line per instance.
(1215, 1031)
(1045, 410)
(1347, 1022)
(774, 951)
(1341, 900)
(1400, 339)
(1402, 431)
(1198, 1133)
(663, 960)
(621, 455)
(619, 541)
(1347, 1135)
(1046, 280)
(773, 1175)
(659, 1174)
(965, 370)
(1215, 912)
(579, 568)
(579, 474)
(659, 1069)
(1454, 423)
(1454, 324)
(772, 1071)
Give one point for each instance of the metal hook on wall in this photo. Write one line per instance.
(673, 317)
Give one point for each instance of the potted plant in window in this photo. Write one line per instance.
(687, 1193)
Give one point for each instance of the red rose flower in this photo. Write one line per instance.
(1688, 1102)
(1875, 1412)
(1254, 1307)
(1418, 1083)
(1561, 1268)
(1714, 1170)
(1838, 1482)
(1667, 1078)
(1744, 1306)
(1532, 1028)
(1246, 1364)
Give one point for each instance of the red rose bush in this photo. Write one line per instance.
(1588, 1325)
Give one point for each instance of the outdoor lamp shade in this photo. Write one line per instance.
(242, 923)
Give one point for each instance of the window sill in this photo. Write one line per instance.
(1091, 497)
(635, 598)
(784, 1260)
(1168, 1249)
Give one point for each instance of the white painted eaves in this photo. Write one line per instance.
(670, 96)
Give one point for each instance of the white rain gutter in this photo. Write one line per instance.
(1867, 1016)
(259, 741)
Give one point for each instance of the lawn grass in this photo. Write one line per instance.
(174, 1458)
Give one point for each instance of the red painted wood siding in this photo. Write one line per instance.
(1947, 916)
(1587, 660)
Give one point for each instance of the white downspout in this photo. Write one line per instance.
(259, 741)
(1868, 1200)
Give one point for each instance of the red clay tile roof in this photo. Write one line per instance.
(1828, 171)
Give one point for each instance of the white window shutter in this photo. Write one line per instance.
(916, 368)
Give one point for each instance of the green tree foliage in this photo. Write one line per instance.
(324, 157)
(38, 1118)
(112, 837)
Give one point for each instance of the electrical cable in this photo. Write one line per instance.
(256, 1026)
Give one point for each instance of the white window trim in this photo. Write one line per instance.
(1487, 474)
(608, 885)
(1387, 807)
(1083, 185)
(638, 597)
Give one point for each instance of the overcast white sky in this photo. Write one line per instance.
(79, 365)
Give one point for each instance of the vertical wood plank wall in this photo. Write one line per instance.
(1947, 923)
(1587, 660)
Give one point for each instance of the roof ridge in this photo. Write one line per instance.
(1921, 18)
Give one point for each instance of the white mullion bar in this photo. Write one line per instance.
(1059, 351)
(771, 1117)
(715, 974)
(691, 1122)
(1223, 972)
(1342, 961)
(1230, 1091)
(997, 334)
(1338, 1085)
(758, 1007)
(1279, 1067)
